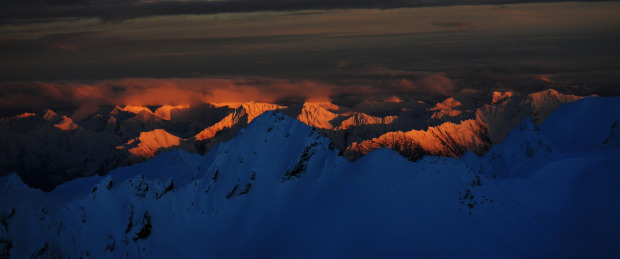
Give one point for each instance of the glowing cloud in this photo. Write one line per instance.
(176, 91)
(149, 91)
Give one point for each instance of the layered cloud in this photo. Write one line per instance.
(116, 10)
(150, 91)
(431, 84)
(346, 56)
(318, 45)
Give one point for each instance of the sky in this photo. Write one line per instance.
(58, 53)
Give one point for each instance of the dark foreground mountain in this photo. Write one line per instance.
(280, 189)
(51, 147)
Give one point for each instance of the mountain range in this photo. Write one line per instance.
(51, 147)
(279, 188)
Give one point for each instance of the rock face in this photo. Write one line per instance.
(279, 189)
(48, 148)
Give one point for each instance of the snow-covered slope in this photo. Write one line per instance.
(279, 189)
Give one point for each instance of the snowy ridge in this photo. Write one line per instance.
(447, 139)
(364, 119)
(239, 118)
(279, 189)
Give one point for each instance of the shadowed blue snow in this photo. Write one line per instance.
(279, 190)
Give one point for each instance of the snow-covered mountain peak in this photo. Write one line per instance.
(446, 108)
(12, 185)
(24, 115)
(240, 117)
(316, 115)
(66, 124)
(85, 112)
(151, 143)
(136, 109)
(545, 94)
(11, 182)
(145, 116)
(325, 105)
(544, 103)
(253, 109)
(48, 114)
(120, 114)
(277, 125)
(274, 134)
(449, 102)
(501, 96)
(364, 119)
(153, 135)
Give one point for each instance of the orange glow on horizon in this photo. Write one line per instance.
(220, 91)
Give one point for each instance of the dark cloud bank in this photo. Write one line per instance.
(343, 56)
(118, 10)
